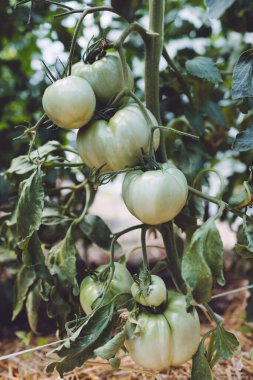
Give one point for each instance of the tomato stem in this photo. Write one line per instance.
(74, 11)
(168, 235)
(34, 135)
(179, 76)
(112, 255)
(197, 181)
(84, 12)
(142, 107)
(86, 207)
(144, 246)
(218, 202)
(134, 27)
(123, 66)
(153, 50)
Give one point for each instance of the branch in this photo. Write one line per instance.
(179, 76)
(218, 201)
(91, 10)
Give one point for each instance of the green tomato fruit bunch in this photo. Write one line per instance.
(165, 339)
(71, 103)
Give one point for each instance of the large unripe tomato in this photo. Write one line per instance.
(117, 142)
(167, 339)
(92, 290)
(153, 296)
(69, 102)
(155, 196)
(105, 77)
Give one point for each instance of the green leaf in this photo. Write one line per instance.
(33, 254)
(61, 260)
(25, 279)
(214, 112)
(51, 217)
(195, 119)
(242, 76)
(225, 342)
(30, 205)
(204, 68)
(33, 302)
(98, 232)
(244, 140)
(94, 332)
(218, 7)
(21, 165)
(110, 349)
(202, 262)
(200, 366)
(244, 246)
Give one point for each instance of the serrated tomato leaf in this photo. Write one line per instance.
(61, 260)
(95, 229)
(242, 86)
(204, 68)
(110, 349)
(23, 166)
(202, 262)
(244, 245)
(225, 342)
(200, 366)
(30, 205)
(214, 112)
(51, 216)
(33, 302)
(25, 279)
(244, 140)
(94, 332)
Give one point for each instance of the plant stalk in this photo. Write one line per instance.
(167, 232)
(153, 50)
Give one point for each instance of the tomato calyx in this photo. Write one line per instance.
(105, 114)
(154, 309)
(150, 163)
(96, 50)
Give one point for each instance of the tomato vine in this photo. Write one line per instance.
(49, 271)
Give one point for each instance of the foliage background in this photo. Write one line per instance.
(188, 33)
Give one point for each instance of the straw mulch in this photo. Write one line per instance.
(31, 366)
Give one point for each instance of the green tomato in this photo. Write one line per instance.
(92, 290)
(155, 196)
(167, 339)
(117, 142)
(153, 296)
(105, 77)
(69, 102)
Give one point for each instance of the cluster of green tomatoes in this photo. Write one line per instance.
(171, 336)
(119, 142)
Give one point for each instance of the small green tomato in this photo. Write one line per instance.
(91, 290)
(153, 296)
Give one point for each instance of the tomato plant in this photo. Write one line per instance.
(166, 197)
(69, 102)
(105, 77)
(167, 134)
(165, 339)
(117, 142)
(92, 288)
